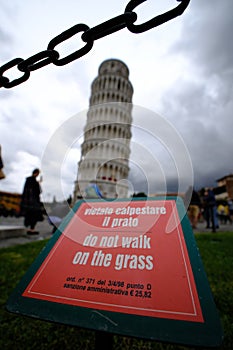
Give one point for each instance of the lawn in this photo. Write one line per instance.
(23, 333)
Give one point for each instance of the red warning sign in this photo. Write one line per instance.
(127, 257)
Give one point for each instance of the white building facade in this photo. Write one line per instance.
(106, 147)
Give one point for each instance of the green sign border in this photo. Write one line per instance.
(207, 334)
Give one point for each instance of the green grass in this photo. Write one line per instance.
(18, 332)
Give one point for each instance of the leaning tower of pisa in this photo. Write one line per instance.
(106, 147)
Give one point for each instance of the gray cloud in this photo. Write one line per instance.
(6, 21)
(206, 36)
(200, 102)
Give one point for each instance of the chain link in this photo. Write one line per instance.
(125, 20)
(38, 60)
(156, 21)
(66, 35)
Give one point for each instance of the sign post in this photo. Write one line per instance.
(124, 267)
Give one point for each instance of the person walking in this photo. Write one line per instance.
(31, 207)
(194, 209)
(2, 175)
(210, 210)
(230, 207)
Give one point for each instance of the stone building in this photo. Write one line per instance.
(224, 187)
(106, 147)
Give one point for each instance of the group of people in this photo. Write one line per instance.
(206, 205)
(225, 211)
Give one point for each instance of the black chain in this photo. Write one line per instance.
(89, 35)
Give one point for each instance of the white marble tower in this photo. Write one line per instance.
(106, 146)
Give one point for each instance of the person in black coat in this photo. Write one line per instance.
(210, 211)
(30, 203)
(2, 175)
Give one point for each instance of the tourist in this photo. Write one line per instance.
(210, 211)
(31, 207)
(194, 209)
(230, 207)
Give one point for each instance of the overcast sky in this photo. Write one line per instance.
(182, 72)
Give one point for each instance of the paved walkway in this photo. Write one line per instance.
(45, 230)
(59, 210)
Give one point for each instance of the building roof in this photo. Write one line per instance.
(225, 177)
